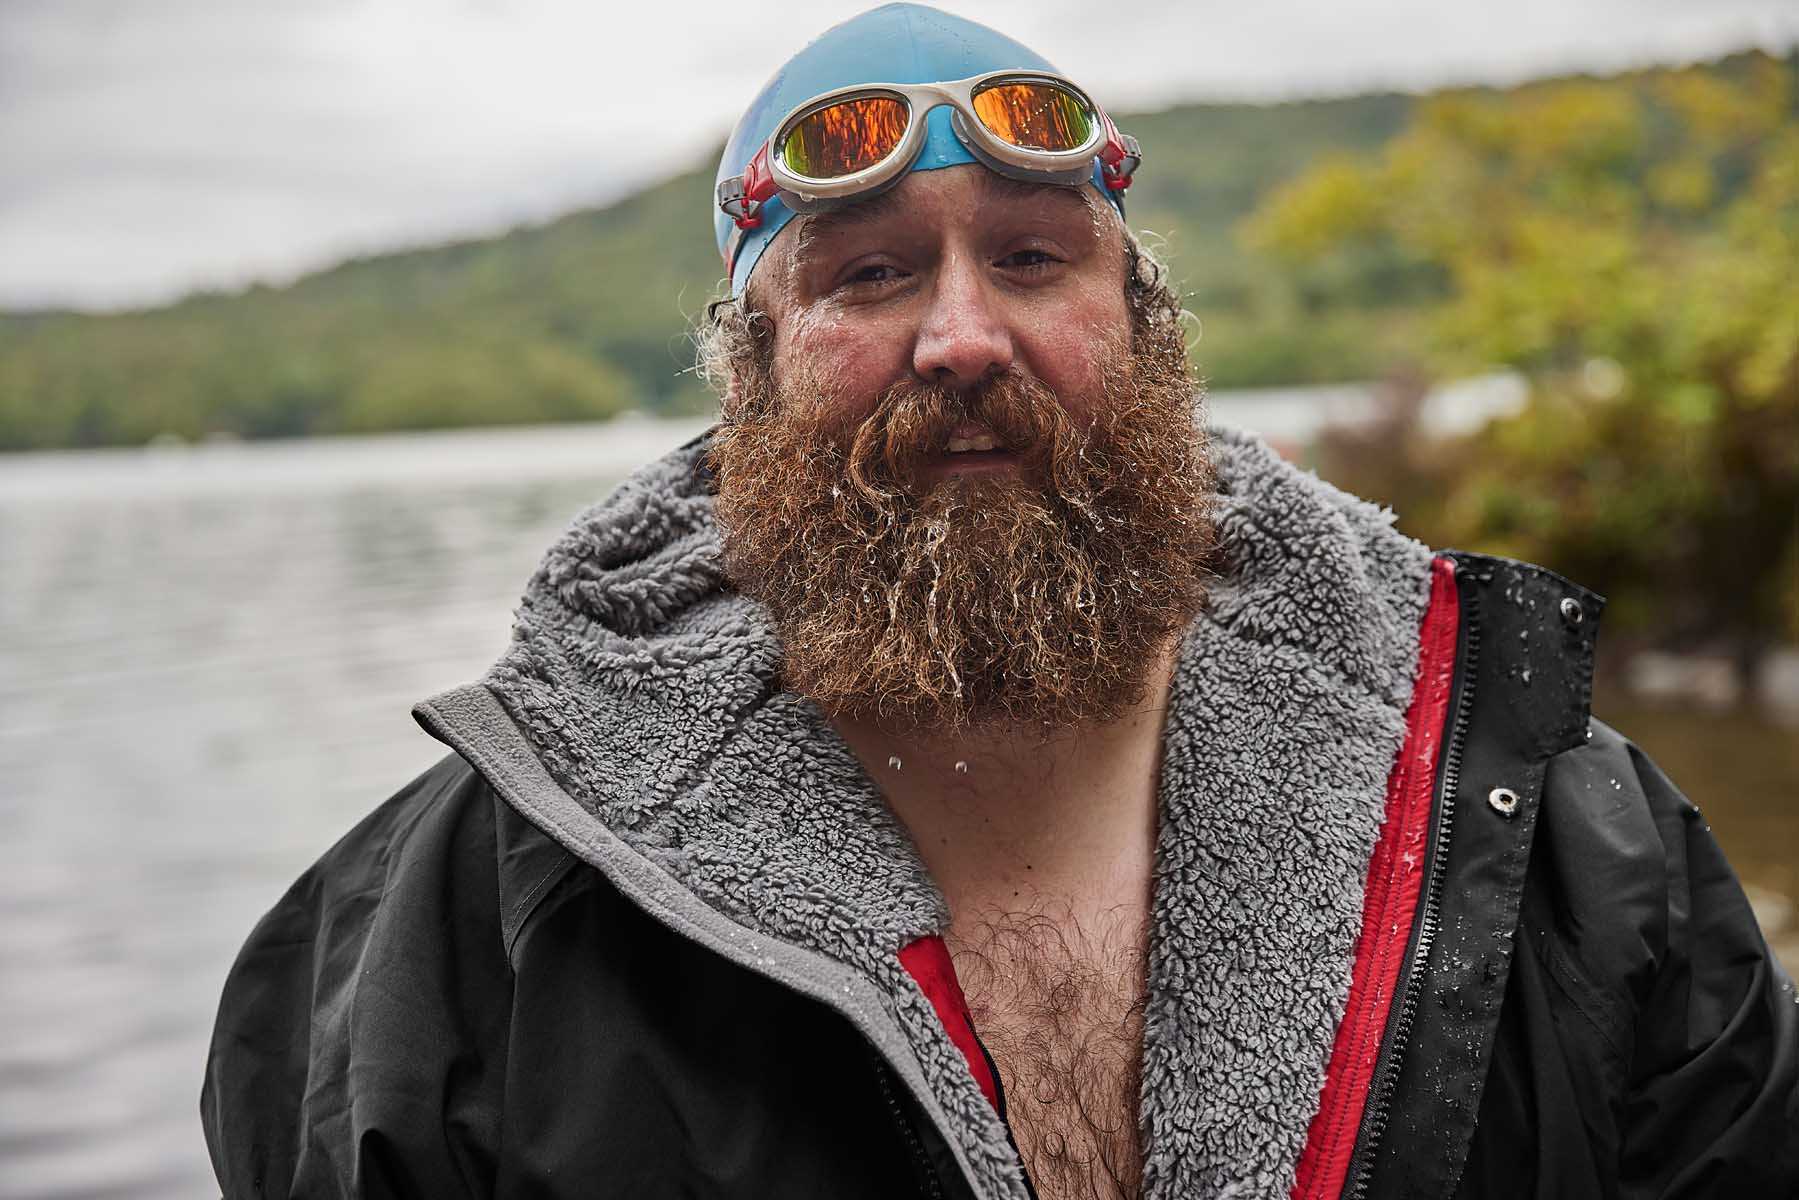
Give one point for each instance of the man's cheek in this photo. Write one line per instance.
(867, 356)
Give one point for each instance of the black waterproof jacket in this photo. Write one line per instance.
(1557, 988)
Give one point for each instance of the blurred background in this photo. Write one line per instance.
(319, 319)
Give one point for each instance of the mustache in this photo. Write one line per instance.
(912, 423)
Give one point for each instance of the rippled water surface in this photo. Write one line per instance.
(207, 658)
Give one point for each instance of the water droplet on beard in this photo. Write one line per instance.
(894, 762)
(961, 768)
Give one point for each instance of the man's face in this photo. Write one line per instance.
(958, 465)
(952, 277)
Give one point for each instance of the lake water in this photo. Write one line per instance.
(207, 657)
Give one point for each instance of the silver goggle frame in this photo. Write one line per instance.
(803, 193)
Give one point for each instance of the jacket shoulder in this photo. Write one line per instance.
(1642, 928)
(446, 807)
(1632, 865)
(450, 826)
(373, 984)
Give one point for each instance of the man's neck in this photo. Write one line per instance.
(1013, 820)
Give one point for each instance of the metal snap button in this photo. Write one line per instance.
(1572, 612)
(1503, 801)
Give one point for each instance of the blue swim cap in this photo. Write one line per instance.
(896, 43)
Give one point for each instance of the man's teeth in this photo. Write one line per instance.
(982, 442)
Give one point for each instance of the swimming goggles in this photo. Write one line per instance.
(851, 142)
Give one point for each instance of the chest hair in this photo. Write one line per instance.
(1059, 1005)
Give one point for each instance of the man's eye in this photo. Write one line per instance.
(872, 273)
(1028, 260)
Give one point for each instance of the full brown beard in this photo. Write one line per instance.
(1043, 598)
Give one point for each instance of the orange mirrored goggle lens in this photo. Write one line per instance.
(1035, 116)
(843, 138)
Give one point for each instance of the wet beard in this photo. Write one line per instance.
(1042, 598)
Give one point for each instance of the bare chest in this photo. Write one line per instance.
(1061, 1011)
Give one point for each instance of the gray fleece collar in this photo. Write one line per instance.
(647, 690)
(1287, 714)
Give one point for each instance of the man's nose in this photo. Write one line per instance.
(963, 336)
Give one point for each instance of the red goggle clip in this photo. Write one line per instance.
(742, 196)
(1119, 158)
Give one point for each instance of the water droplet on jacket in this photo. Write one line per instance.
(1525, 676)
(894, 762)
(961, 768)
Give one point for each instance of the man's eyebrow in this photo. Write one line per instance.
(862, 212)
(1004, 187)
(876, 208)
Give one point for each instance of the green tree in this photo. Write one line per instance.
(1632, 247)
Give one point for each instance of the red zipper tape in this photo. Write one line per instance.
(1395, 875)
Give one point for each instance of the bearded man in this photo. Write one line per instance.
(957, 775)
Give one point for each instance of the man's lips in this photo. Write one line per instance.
(976, 444)
(971, 437)
(971, 448)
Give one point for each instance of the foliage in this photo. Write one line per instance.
(1632, 246)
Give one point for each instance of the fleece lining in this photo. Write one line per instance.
(1287, 714)
(647, 689)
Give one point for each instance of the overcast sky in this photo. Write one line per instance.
(149, 147)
